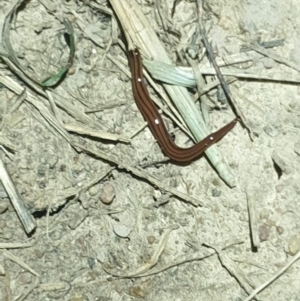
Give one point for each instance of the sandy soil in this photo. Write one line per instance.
(104, 233)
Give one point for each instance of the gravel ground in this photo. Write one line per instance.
(104, 231)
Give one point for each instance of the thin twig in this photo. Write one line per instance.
(220, 76)
(25, 217)
(277, 275)
(245, 282)
(17, 260)
(184, 259)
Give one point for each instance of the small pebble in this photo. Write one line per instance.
(94, 190)
(264, 232)
(138, 292)
(39, 254)
(107, 194)
(122, 230)
(294, 244)
(3, 206)
(216, 192)
(279, 230)
(150, 239)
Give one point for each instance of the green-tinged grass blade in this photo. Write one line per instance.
(54, 79)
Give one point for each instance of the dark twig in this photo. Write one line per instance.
(211, 58)
(174, 7)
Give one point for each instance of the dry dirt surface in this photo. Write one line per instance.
(113, 218)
